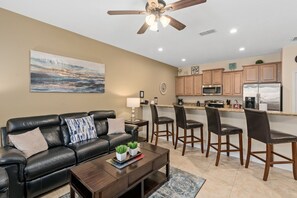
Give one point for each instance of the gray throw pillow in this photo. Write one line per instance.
(116, 125)
(30, 142)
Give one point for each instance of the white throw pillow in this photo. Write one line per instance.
(30, 142)
(116, 125)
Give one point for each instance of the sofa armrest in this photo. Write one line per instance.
(133, 130)
(10, 155)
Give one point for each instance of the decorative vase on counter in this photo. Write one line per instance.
(180, 101)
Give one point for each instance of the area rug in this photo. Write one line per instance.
(180, 185)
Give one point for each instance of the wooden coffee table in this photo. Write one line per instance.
(99, 179)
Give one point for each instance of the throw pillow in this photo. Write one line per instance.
(81, 129)
(30, 142)
(116, 125)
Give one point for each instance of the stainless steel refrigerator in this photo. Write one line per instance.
(269, 93)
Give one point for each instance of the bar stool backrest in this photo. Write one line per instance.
(257, 125)
(213, 120)
(180, 115)
(154, 113)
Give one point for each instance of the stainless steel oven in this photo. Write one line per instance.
(210, 90)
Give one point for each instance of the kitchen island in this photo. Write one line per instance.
(281, 121)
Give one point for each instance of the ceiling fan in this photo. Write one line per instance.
(155, 9)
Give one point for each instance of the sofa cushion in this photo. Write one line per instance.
(49, 161)
(100, 118)
(30, 143)
(116, 139)
(116, 125)
(52, 135)
(81, 129)
(89, 149)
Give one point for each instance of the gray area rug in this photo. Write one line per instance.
(180, 185)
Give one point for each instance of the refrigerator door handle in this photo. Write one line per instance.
(258, 100)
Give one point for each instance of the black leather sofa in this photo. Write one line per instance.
(49, 169)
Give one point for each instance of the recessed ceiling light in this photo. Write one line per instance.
(233, 31)
(160, 49)
(241, 49)
(184, 60)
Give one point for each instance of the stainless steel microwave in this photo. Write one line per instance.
(210, 90)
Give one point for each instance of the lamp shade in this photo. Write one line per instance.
(133, 102)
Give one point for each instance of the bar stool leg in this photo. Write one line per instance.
(192, 137)
(228, 145)
(272, 156)
(219, 150)
(153, 132)
(240, 149)
(208, 144)
(157, 135)
(172, 133)
(248, 154)
(294, 158)
(167, 135)
(176, 139)
(185, 141)
(267, 162)
(201, 136)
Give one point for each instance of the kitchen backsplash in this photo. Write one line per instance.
(201, 99)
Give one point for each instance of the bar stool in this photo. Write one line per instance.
(215, 126)
(156, 120)
(259, 129)
(182, 122)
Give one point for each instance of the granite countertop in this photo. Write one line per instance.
(190, 106)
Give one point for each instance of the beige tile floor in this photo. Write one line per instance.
(229, 179)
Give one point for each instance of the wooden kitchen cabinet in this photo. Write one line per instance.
(180, 85)
(267, 73)
(261, 73)
(213, 76)
(232, 83)
(198, 85)
(189, 85)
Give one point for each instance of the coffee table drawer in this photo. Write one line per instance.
(160, 162)
(140, 172)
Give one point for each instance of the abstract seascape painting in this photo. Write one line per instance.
(52, 73)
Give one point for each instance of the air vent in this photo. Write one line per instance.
(207, 32)
(294, 38)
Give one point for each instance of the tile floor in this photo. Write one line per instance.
(228, 180)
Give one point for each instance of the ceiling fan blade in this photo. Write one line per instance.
(143, 28)
(175, 23)
(123, 12)
(183, 4)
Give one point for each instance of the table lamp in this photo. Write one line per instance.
(133, 102)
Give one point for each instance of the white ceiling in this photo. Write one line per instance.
(264, 27)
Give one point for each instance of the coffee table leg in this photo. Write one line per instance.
(72, 193)
(167, 171)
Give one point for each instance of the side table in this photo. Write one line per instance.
(140, 123)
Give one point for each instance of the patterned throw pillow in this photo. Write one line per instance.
(81, 129)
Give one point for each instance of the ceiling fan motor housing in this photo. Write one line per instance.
(155, 9)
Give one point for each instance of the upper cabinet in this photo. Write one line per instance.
(213, 77)
(267, 72)
(232, 83)
(188, 85)
(180, 85)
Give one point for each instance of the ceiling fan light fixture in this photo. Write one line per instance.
(150, 19)
(164, 21)
(154, 27)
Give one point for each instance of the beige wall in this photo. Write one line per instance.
(288, 75)
(126, 73)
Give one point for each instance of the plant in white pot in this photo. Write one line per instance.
(121, 152)
(133, 148)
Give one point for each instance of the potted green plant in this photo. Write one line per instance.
(121, 152)
(133, 148)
